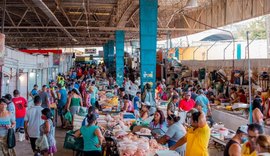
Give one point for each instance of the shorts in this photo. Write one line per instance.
(19, 123)
(74, 110)
(60, 110)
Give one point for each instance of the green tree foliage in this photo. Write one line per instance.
(257, 29)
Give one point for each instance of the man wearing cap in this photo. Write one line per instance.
(185, 105)
(233, 147)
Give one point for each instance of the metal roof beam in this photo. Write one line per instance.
(102, 28)
(50, 14)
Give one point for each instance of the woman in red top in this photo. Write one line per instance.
(187, 103)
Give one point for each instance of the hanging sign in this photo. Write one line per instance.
(90, 51)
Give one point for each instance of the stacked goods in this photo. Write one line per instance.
(131, 145)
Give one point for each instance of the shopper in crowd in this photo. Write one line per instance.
(193, 93)
(145, 110)
(158, 124)
(257, 115)
(128, 106)
(249, 148)
(10, 104)
(203, 100)
(197, 137)
(94, 93)
(176, 131)
(44, 97)
(185, 105)
(7, 121)
(91, 110)
(263, 145)
(48, 129)
(61, 102)
(20, 109)
(74, 102)
(148, 97)
(92, 137)
(34, 91)
(32, 122)
(136, 104)
(233, 147)
(233, 95)
(172, 106)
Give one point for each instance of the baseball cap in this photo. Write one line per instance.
(200, 91)
(243, 129)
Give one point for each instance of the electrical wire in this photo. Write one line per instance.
(231, 34)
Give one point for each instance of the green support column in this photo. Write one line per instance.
(111, 56)
(148, 41)
(119, 40)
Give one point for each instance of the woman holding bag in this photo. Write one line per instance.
(48, 129)
(7, 120)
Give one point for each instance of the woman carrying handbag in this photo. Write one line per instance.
(7, 121)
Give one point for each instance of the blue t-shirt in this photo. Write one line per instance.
(94, 93)
(135, 104)
(204, 101)
(34, 92)
(90, 139)
(63, 100)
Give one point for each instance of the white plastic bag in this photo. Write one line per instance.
(42, 143)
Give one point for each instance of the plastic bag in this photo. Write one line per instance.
(42, 143)
(68, 116)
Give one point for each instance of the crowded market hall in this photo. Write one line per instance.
(135, 78)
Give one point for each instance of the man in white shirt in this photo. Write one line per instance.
(32, 122)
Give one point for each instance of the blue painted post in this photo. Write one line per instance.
(148, 41)
(111, 56)
(177, 53)
(238, 51)
(119, 40)
(105, 49)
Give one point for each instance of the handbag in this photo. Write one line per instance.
(11, 141)
(42, 143)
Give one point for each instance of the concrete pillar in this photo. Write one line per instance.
(119, 43)
(111, 56)
(148, 41)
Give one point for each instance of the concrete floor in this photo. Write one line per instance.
(24, 148)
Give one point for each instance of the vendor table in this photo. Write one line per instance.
(230, 120)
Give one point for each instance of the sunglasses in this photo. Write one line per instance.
(252, 137)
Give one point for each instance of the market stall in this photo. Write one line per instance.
(230, 119)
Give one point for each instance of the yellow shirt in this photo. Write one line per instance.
(197, 141)
(246, 150)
